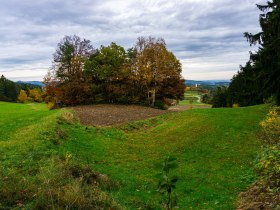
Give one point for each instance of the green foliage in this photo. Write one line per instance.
(167, 183)
(245, 88)
(217, 97)
(8, 90)
(268, 169)
(259, 79)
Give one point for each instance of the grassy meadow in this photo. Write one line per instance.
(40, 150)
(193, 98)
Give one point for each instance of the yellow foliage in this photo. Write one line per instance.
(271, 125)
(35, 94)
(51, 105)
(235, 106)
(22, 97)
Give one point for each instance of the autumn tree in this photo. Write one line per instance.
(155, 65)
(68, 70)
(35, 94)
(22, 97)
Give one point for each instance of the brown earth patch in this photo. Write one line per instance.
(256, 198)
(106, 114)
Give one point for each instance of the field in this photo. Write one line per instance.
(215, 149)
(193, 99)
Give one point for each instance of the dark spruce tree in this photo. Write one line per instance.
(8, 90)
(260, 78)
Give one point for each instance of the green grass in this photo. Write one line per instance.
(215, 149)
(192, 98)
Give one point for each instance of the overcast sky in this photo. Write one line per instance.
(206, 35)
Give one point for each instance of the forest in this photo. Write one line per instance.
(15, 91)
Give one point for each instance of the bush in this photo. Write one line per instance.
(51, 105)
(161, 105)
(235, 105)
(264, 193)
(268, 169)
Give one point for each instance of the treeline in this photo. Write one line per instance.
(10, 91)
(146, 73)
(259, 80)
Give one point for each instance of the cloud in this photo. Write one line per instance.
(207, 36)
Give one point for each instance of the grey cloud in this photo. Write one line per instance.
(207, 36)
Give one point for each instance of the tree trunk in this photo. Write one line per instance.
(153, 97)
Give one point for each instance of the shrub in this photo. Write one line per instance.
(160, 104)
(235, 105)
(268, 167)
(67, 118)
(22, 97)
(51, 105)
(264, 193)
(167, 183)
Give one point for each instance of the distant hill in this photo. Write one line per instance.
(38, 83)
(207, 82)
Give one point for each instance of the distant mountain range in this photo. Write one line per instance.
(207, 82)
(187, 82)
(38, 83)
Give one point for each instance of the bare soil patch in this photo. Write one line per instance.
(256, 198)
(106, 114)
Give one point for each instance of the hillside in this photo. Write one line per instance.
(215, 149)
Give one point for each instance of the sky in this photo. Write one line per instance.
(205, 35)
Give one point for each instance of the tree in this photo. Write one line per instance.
(155, 65)
(8, 90)
(35, 94)
(67, 73)
(220, 97)
(106, 68)
(245, 87)
(267, 59)
(22, 97)
(69, 58)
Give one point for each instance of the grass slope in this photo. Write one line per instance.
(215, 149)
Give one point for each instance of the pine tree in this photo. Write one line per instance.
(267, 59)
